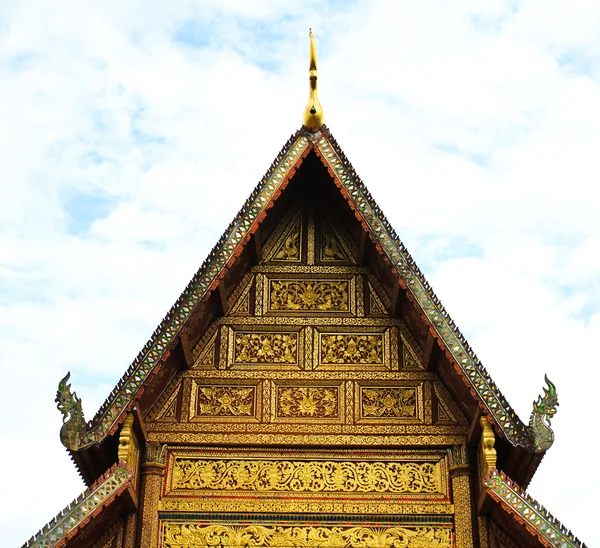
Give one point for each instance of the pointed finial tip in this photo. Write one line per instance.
(313, 113)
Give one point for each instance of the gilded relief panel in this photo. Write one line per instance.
(225, 402)
(309, 295)
(265, 348)
(305, 476)
(179, 534)
(386, 403)
(259, 346)
(304, 401)
(287, 480)
(351, 350)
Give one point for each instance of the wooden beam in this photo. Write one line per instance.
(222, 300)
(186, 350)
(395, 301)
(362, 247)
(428, 350)
(257, 245)
(475, 428)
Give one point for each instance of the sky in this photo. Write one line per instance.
(131, 133)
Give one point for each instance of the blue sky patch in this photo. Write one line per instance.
(84, 208)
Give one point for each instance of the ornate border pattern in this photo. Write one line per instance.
(92, 501)
(529, 512)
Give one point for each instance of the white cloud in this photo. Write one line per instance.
(474, 124)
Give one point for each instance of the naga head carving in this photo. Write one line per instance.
(546, 405)
(66, 402)
(70, 406)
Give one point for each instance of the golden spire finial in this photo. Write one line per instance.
(313, 115)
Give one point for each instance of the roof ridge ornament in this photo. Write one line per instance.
(313, 114)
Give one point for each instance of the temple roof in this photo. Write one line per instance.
(91, 505)
(526, 514)
(534, 438)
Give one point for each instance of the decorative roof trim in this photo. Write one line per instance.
(413, 280)
(112, 412)
(529, 512)
(90, 503)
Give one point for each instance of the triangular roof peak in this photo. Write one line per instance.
(534, 438)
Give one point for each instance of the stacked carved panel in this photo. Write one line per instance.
(307, 355)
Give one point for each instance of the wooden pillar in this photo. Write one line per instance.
(460, 476)
(129, 530)
(152, 476)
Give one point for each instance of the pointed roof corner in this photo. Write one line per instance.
(313, 114)
(514, 502)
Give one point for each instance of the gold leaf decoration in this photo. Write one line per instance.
(351, 349)
(225, 401)
(190, 535)
(389, 402)
(311, 295)
(266, 347)
(306, 476)
(302, 401)
(289, 248)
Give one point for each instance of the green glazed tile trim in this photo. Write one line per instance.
(86, 505)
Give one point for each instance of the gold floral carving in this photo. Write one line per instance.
(388, 402)
(307, 476)
(285, 505)
(190, 535)
(307, 401)
(266, 348)
(310, 295)
(225, 401)
(351, 348)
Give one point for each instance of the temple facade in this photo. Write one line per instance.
(307, 389)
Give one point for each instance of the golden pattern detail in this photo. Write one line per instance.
(307, 476)
(225, 401)
(304, 401)
(190, 535)
(463, 519)
(152, 476)
(388, 402)
(266, 348)
(284, 505)
(310, 295)
(352, 349)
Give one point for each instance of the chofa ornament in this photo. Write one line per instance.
(73, 421)
(543, 411)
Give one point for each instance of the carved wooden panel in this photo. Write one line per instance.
(286, 480)
(301, 402)
(179, 534)
(224, 402)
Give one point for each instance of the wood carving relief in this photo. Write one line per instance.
(307, 401)
(309, 295)
(351, 349)
(307, 476)
(266, 348)
(388, 402)
(191, 535)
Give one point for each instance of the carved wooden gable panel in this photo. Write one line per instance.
(308, 353)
